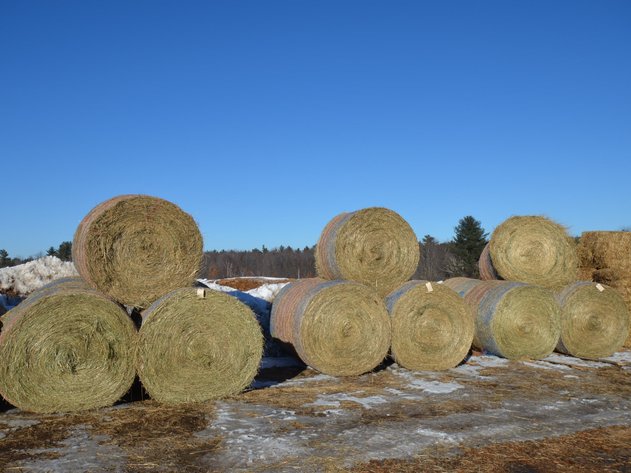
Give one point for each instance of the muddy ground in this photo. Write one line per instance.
(489, 414)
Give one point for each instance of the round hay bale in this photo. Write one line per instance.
(534, 250)
(374, 246)
(66, 348)
(340, 328)
(606, 250)
(594, 320)
(461, 285)
(514, 320)
(136, 248)
(198, 344)
(432, 327)
(485, 265)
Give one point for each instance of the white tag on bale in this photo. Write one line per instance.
(201, 293)
(600, 287)
(429, 287)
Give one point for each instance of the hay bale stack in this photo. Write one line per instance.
(136, 248)
(594, 320)
(485, 265)
(531, 249)
(340, 328)
(461, 285)
(432, 327)
(66, 348)
(605, 257)
(374, 246)
(514, 320)
(198, 344)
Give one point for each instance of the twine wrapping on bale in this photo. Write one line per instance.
(432, 327)
(136, 248)
(198, 344)
(485, 265)
(605, 257)
(534, 250)
(594, 320)
(66, 348)
(340, 328)
(461, 285)
(514, 320)
(374, 246)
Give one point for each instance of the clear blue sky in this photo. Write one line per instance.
(264, 119)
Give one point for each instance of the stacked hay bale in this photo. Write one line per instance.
(66, 348)
(512, 319)
(605, 257)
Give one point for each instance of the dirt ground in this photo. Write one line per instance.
(487, 415)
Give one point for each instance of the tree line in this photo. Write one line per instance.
(63, 252)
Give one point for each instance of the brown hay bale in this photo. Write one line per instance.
(594, 320)
(485, 265)
(136, 248)
(514, 320)
(461, 285)
(198, 344)
(66, 348)
(534, 250)
(341, 328)
(432, 327)
(606, 250)
(374, 246)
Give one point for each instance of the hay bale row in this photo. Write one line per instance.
(374, 246)
(66, 348)
(340, 328)
(530, 249)
(136, 248)
(512, 319)
(432, 327)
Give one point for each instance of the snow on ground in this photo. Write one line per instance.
(26, 278)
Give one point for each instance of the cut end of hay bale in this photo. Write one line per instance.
(515, 320)
(594, 320)
(374, 246)
(66, 348)
(198, 344)
(534, 250)
(432, 327)
(136, 248)
(340, 328)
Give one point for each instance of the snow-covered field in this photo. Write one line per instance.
(26, 278)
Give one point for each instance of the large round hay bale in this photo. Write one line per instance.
(432, 327)
(66, 348)
(461, 285)
(534, 250)
(485, 265)
(136, 248)
(374, 246)
(514, 320)
(594, 320)
(340, 328)
(198, 344)
(606, 249)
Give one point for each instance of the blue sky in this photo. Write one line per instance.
(264, 119)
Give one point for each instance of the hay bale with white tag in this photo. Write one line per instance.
(594, 320)
(136, 248)
(198, 344)
(531, 249)
(340, 328)
(432, 327)
(374, 246)
(66, 348)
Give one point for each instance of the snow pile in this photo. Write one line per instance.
(25, 278)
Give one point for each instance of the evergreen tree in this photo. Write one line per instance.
(64, 252)
(4, 258)
(467, 245)
(51, 252)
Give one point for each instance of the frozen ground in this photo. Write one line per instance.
(299, 420)
(25, 278)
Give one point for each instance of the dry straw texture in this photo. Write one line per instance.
(136, 248)
(534, 250)
(485, 265)
(594, 320)
(374, 246)
(514, 320)
(432, 327)
(196, 345)
(341, 328)
(66, 348)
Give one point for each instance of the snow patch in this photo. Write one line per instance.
(334, 400)
(572, 361)
(26, 278)
(429, 386)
